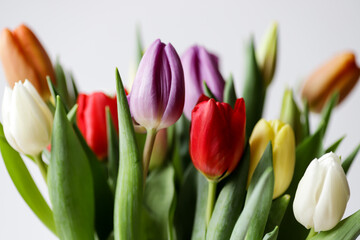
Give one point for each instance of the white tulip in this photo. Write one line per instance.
(27, 120)
(322, 194)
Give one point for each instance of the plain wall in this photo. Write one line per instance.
(91, 38)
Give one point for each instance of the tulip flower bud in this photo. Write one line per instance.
(91, 119)
(267, 54)
(23, 57)
(290, 114)
(217, 137)
(340, 74)
(27, 120)
(158, 92)
(322, 194)
(199, 66)
(282, 138)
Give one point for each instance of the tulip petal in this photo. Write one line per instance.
(145, 95)
(284, 159)
(16, 66)
(6, 107)
(199, 66)
(28, 122)
(35, 55)
(333, 199)
(176, 93)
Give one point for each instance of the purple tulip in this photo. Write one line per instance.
(158, 92)
(200, 65)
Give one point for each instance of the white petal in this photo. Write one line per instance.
(6, 108)
(30, 126)
(306, 195)
(334, 197)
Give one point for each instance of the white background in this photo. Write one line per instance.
(92, 39)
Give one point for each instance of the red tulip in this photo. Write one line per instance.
(217, 137)
(91, 119)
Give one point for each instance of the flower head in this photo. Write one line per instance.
(23, 57)
(26, 118)
(217, 137)
(199, 66)
(282, 138)
(91, 119)
(157, 95)
(322, 194)
(339, 74)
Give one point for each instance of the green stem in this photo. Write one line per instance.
(311, 234)
(210, 200)
(42, 166)
(149, 144)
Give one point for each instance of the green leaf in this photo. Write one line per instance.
(61, 84)
(129, 187)
(277, 211)
(290, 114)
(334, 146)
(247, 215)
(75, 89)
(254, 89)
(208, 92)
(305, 124)
(230, 202)
(159, 199)
(229, 91)
(272, 235)
(104, 197)
(139, 46)
(260, 215)
(173, 153)
(199, 228)
(326, 113)
(113, 149)
(25, 184)
(182, 135)
(71, 115)
(70, 181)
(349, 160)
(347, 229)
(185, 209)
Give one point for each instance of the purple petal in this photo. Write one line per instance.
(200, 65)
(176, 93)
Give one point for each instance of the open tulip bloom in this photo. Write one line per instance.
(205, 165)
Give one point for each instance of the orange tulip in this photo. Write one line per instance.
(340, 74)
(23, 57)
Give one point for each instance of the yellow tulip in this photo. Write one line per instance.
(339, 74)
(282, 138)
(23, 57)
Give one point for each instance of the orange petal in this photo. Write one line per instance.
(339, 74)
(36, 55)
(15, 65)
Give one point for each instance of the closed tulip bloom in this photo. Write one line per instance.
(158, 92)
(27, 120)
(282, 138)
(322, 194)
(199, 66)
(23, 57)
(339, 74)
(91, 119)
(267, 54)
(217, 137)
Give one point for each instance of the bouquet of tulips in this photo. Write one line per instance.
(178, 155)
